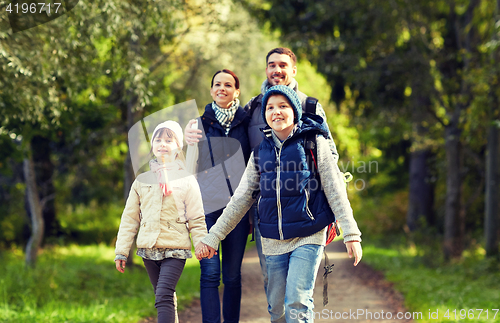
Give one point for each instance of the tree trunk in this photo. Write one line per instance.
(421, 192)
(452, 241)
(492, 167)
(44, 169)
(492, 197)
(37, 223)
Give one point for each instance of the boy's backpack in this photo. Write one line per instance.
(310, 144)
(311, 153)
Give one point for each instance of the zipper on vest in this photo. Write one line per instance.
(307, 205)
(278, 195)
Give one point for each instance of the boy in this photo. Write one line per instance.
(293, 212)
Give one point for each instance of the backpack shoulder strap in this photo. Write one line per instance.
(254, 104)
(311, 103)
(311, 152)
(311, 149)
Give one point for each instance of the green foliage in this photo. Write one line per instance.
(469, 284)
(380, 216)
(90, 224)
(406, 74)
(72, 80)
(13, 220)
(81, 284)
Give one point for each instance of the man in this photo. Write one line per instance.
(281, 68)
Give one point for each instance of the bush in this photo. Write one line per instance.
(81, 284)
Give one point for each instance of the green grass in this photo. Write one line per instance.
(81, 284)
(470, 284)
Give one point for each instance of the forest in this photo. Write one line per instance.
(411, 90)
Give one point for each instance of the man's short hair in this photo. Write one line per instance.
(282, 50)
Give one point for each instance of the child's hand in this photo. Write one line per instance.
(120, 265)
(204, 251)
(354, 248)
(200, 250)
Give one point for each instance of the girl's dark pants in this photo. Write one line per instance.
(164, 275)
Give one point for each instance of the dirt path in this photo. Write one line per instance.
(352, 291)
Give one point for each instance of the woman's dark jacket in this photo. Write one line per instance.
(222, 159)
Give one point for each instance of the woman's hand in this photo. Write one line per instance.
(354, 249)
(192, 135)
(203, 251)
(120, 265)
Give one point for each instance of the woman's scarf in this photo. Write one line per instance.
(160, 170)
(226, 116)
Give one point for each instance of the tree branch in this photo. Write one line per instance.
(46, 199)
(433, 113)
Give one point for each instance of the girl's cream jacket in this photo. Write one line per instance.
(143, 208)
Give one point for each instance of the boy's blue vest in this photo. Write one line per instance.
(292, 203)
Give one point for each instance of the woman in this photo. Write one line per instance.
(219, 157)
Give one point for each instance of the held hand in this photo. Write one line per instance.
(191, 135)
(201, 251)
(212, 252)
(354, 248)
(204, 251)
(120, 265)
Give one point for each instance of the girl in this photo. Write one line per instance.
(166, 204)
(294, 211)
(219, 172)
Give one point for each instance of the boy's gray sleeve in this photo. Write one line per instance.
(239, 204)
(332, 181)
(321, 112)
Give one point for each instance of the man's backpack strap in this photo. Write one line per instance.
(254, 104)
(311, 105)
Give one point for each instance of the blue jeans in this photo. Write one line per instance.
(232, 249)
(291, 284)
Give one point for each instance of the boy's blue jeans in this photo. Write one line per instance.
(232, 249)
(290, 285)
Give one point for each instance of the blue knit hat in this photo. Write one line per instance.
(287, 92)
